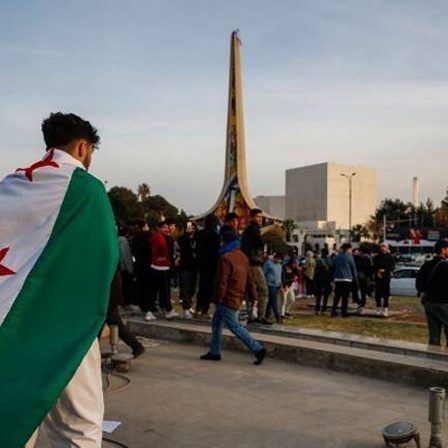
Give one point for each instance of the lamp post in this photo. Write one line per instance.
(349, 178)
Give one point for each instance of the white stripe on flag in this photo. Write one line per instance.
(28, 213)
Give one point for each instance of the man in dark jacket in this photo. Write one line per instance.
(113, 317)
(187, 266)
(232, 281)
(252, 246)
(383, 266)
(432, 281)
(363, 263)
(207, 247)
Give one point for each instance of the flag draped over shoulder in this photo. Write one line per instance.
(58, 254)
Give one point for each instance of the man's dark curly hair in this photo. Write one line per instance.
(62, 129)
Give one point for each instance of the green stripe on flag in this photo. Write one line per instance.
(59, 311)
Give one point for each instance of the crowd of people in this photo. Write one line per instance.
(352, 272)
(189, 258)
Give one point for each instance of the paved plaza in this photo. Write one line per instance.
(175, 400)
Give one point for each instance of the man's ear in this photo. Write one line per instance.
(79, 149)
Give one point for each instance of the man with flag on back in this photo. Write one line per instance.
(58, 254)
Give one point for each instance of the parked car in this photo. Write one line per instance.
(402, 282)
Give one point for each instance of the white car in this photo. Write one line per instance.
(402, 282)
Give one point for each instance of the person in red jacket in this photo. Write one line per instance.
(161, 263)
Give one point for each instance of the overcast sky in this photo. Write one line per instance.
(361, 82)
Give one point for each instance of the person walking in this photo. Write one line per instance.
(383, 266)
(344, 274)
(233, 280)
(432, 283)
(113, 317)
(58, 255)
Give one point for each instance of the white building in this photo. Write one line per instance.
(322, 193)
(326, 199)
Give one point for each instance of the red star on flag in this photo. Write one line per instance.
(46, 161)
(3, 269)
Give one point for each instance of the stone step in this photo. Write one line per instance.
(401, 362)
(358, 341)
(341, 338)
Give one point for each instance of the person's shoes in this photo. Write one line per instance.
(171, 314)
(361, 311)
(138, 351)
(187, 314)
(256, 321)
(378, 312)
(288, 315)
(260, 355)
(132, 308)
(385, 312)
(266, 322)
(210, 357)
(150, 316)
(334, 314)
(345, 315)
(279, 321)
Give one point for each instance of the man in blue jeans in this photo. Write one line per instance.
(233, 280)
(344, 275)
(273, 272)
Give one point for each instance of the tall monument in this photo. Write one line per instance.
(235, 196)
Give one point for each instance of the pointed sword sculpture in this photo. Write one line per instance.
(235, 196)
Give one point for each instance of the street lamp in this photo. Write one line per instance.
(349, 178)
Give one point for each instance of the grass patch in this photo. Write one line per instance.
(373, 327)
(407, 324)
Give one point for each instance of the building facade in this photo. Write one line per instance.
(322, 193)
(326, 199)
